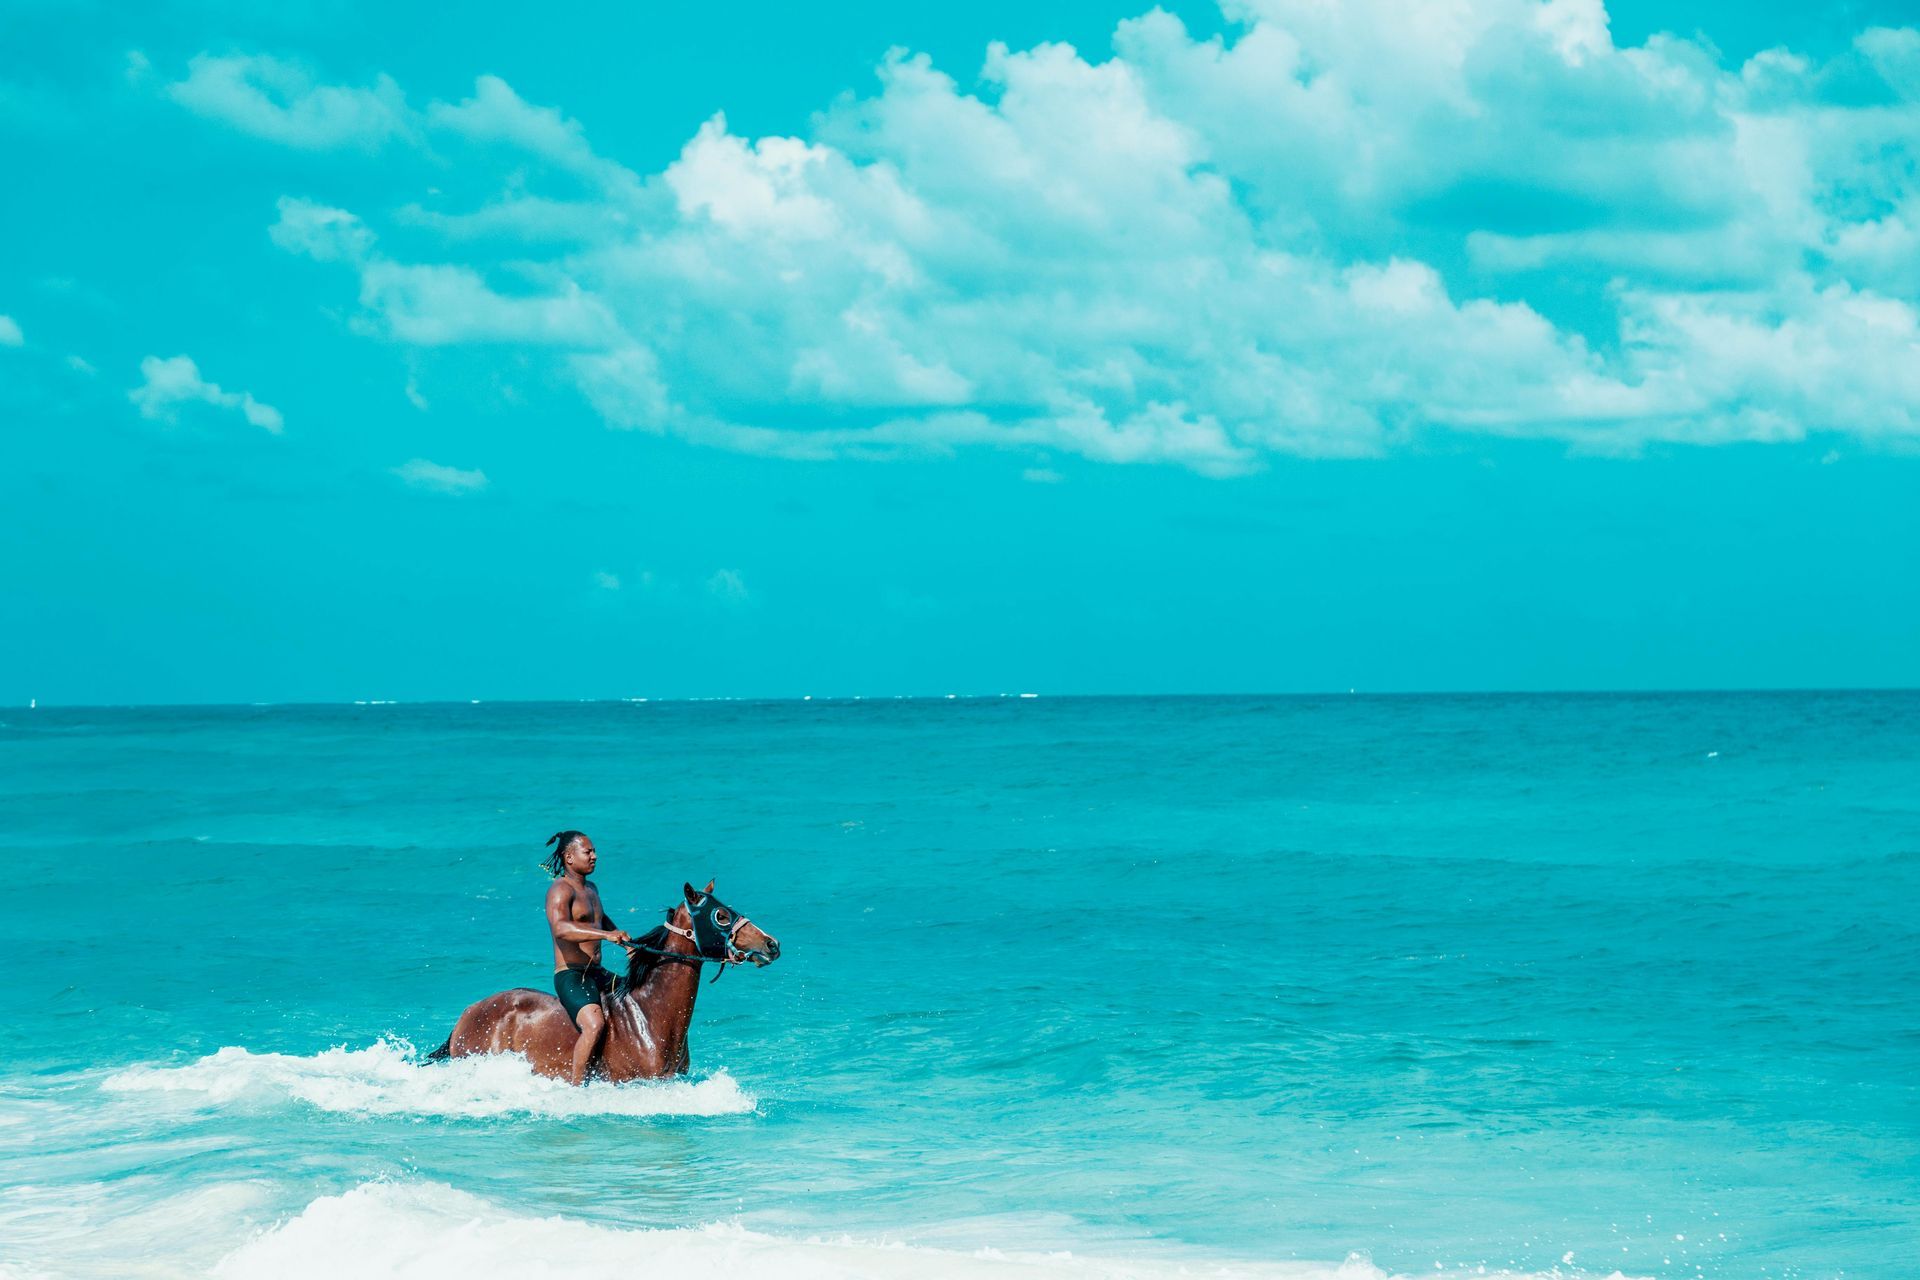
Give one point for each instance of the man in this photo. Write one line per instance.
(579, 924)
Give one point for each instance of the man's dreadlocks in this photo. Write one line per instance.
(561, 841)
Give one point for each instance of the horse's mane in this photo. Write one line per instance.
(642, 963)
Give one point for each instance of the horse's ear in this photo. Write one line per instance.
(693, 894)
(709, 886)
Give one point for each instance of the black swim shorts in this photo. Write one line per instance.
(579, 985)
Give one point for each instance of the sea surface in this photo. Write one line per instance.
(1269, 987)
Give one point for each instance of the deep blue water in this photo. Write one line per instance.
(1574, 983)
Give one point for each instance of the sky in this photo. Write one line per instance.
(606, 350)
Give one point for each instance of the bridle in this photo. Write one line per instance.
(705, 930)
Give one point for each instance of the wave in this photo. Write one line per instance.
(391, 1078)
(118, 1231)
(429, 1230)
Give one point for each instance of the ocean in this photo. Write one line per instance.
(1303, 987)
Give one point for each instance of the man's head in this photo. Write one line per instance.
(572, 851)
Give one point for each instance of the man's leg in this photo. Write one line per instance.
(593, 1025)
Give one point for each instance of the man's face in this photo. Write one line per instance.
(581, 857)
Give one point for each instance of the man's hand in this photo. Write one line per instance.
(621, 936)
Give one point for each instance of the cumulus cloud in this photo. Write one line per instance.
(419, 473)
(168, 384)
(280, 101)
(10, 335)
(1327, 232)
(606, 581)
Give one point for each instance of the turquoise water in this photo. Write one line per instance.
(1544, 984)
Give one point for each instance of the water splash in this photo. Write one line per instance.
(391, 1078)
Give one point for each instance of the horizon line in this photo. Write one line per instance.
(1022, 696)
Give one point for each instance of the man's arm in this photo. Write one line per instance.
(560, 919)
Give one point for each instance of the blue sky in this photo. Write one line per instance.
(610, 350)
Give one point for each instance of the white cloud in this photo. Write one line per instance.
(81, 366)
(1894, 53)
(496, 114)
(168, 384)
(606, 581)
(279, 101)
(751, 187)
(624, 385)
(321, 233)
(726, 585)
(526, 220)
(1803, 359)
(10, 335)
(1332, 230)
(435, 478)
(433, 304)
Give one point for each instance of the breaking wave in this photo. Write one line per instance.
(430, 1230)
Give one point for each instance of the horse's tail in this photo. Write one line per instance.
(444, 1052)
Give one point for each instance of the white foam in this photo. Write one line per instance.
(389, 1078)
(113, 1232)
(427, 1230)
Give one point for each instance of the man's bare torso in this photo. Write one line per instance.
(582, 907)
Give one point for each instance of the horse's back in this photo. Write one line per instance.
(523, 1021)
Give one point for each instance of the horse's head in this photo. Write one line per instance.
(721, 933)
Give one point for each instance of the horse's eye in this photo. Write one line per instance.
(720, 918)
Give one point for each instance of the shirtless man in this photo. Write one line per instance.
(579, 924)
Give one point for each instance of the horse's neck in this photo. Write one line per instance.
(663, 1002)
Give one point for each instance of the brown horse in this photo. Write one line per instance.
(647, 1013)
